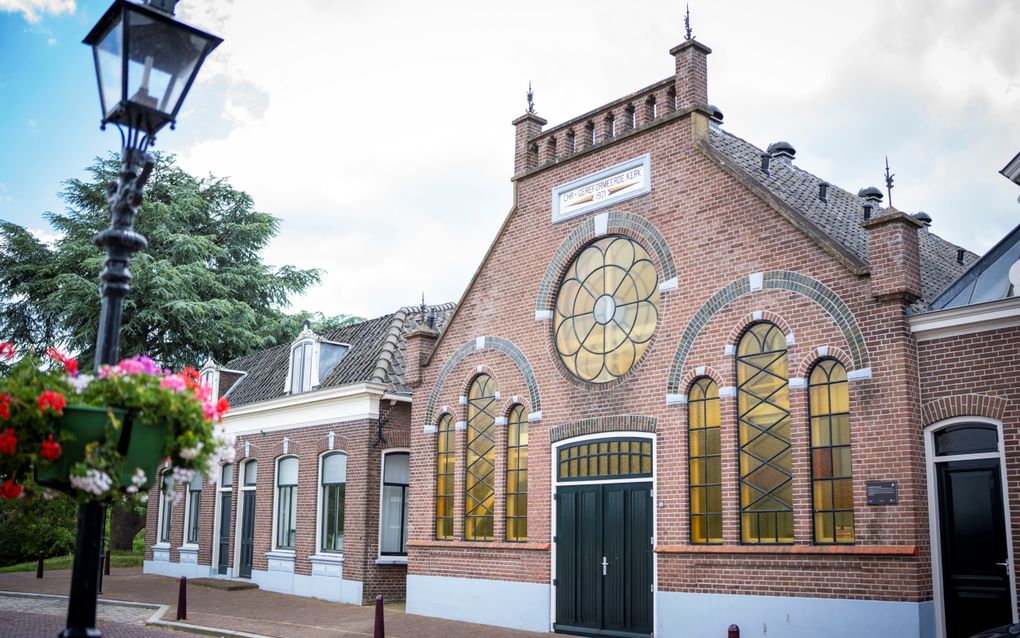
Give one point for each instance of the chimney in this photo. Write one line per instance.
(960, 254)
(765, 157)
(894, 256)
(691, 74)
(418, 346)
(528, 127)
(823, 192)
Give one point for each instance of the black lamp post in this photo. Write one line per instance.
(146, 61)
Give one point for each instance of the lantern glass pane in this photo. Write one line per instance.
(162, 57)
(108, 67)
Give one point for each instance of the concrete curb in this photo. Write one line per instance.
(156, 619)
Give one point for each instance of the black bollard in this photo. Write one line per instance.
(39, 566)
(182, 600)
(734, 632)
(379, 632)
(106, 565)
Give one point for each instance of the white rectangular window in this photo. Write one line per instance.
(301, 368)
(334, 484)
(166, 507)
(194, 507)
(286, 502)
(393, 518)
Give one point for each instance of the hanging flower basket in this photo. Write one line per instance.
(121, 426)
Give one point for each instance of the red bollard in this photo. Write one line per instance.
(182, 600)
(734, 632)
(106, 565)
(39, 566)
(379, 632)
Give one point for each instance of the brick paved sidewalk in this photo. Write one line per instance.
(260, 612)
(18, 624)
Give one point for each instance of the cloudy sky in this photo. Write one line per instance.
(379, 131)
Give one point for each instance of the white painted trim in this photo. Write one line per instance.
(756, 280)
(676, 399)
(429, 429)
(993, 315)
(239, 514)
(554, 483)
(669, 284)
(729, 350)
(534, 416)
(217, 515)
(756, 315)
(479, 343)
(727, 392)
(276, 497)
(460, 426)
(500, 420)
(187, 512)
(159, 513)
(543, 315)
(391, 559)
(797, 383)
(860, 374)
(317, 396)
(935, 537)
(601, 224)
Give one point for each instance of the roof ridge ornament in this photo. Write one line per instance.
(687, 23)
(307, 332)
(531, 109)
(888, 180)
(210, 362)
(166, 6)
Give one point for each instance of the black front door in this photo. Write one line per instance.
(975, 572)
(247, 534)
(224, 539)
(604, 560)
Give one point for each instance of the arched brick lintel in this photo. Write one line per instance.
(616, 222)
(798, 283)
(963, 405)
(599, 425)
(499, 344)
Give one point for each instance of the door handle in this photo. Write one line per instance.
(605, 564)
(1003, 564)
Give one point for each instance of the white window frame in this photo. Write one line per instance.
(319, 513)
(161, 514)
(239, 512)
(276, 502)
(217, 515)
(934, 528)
(311, 367)
(382, 559)
(187, 513)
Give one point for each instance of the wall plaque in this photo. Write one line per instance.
(598, 190)
(882, 492)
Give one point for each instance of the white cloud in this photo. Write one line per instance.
(34, 10)
(380, 132)
(45, 235)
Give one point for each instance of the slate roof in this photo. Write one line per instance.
(839, 218)
(986, 280)
(376, 355)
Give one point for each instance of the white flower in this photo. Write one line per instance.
(130, 489)
(94, 482)
(80, 382)
(183, 474)
(144, 497)
(190, 453)
(138, 479)
(229, 454)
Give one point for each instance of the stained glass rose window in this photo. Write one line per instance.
(606, 310)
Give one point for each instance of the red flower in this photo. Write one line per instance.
(53, 400)
(50, 449)
(10, 489)
(70, 365)
(5, 408)
(7, 350)
(8, 441)
(221, 408)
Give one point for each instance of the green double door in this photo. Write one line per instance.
(604, 560)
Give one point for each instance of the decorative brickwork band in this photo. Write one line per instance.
(963, 405)
(498, 344)
(616, 222)
(598, 425)
(804, 285)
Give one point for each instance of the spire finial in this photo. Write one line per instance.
(421, 309)
(531, 99)
(687, 23)
(888, 180)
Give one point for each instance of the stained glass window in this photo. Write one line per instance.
(616, 458)
(763, 418)
(444, 477)
(517, 475)
(480, 483)
(705, 455)
(831, 486)
(606, 310)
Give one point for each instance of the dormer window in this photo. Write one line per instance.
(311, 361)
(220, 379)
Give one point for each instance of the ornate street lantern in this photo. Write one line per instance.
(145, 63)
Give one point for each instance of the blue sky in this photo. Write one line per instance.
(379, 131)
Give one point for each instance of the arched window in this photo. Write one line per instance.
(286, 502)
(194, 507)
(517, 475)
(705, 461)
(166, 506)
(444, 477)
(831, 485)
(334, 487)
(763, 419)
(480, 483)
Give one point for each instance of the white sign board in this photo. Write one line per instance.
(613, 185)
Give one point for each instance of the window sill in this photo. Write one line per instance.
(854, 550)
(455, 544)
(391, 560)
(282, 554)
(188, 547)
(161, 545)
(327, 559)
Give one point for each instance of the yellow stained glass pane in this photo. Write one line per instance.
(819, 397)
(713, 443)
(589, 260)
(839, 395)
(697, 445)
(698, 471)
(825, 531)
(699, 501)
(842, 494)
(699, 529)
(621, 252)
(844, 523)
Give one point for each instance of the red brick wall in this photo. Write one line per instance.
(718, 232)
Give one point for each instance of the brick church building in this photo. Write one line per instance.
(692, 384)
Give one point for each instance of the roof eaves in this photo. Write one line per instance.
(851, 261)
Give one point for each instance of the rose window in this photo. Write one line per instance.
(606, 310)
